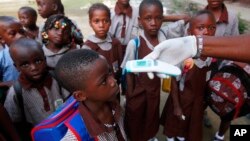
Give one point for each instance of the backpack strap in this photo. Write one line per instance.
(240, 73)
(124, 72)
(137, 45)
(244, 78)
(18, 89)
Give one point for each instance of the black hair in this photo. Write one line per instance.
(201, 12)
(31, 10)
(98, 6)
(73, 67)
(75, 33)
(145, 3)
(25, 43)
(60, 6)
(6, 19)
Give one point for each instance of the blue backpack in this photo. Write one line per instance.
(57, 124)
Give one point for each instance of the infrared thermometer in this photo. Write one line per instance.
(149, 65)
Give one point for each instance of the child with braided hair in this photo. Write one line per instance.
(47, 8)
(59, 35)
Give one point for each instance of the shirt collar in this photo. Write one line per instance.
(119, 10)
(96, 40)
(224, 14)
(27, 84)
(48, 52)
(94, 126)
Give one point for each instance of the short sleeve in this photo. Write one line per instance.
(129, 53)
(175, 29)
(12, 106)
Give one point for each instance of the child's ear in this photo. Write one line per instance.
(79, 95)
(2, 42)
(139, 22)
(55, 7)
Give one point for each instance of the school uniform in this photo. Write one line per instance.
(191, 96)
(39, 100)
(97, 130)
(124, 26)
(227, 24)
(8, 71)
(52, 57)
(142, 106)
(110, 48)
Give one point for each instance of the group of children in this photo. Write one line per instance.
(49, 66)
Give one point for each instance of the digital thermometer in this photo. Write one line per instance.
(149, 65)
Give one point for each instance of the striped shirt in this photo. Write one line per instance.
(33, 103)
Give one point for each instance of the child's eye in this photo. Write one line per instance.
(148, 19)
(12, 33)
(201, 27)
(110, 73)
(39, 61)
(106, 21)
(96, 21)
(159, 18)
(211, 28)
(24, 65)
(22, 31)
(104, 81)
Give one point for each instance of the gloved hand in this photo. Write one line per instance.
(173, 51)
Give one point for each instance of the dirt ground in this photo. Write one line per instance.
(79, 14)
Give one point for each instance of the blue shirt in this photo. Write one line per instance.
(8, 71)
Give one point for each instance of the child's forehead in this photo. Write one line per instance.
(10, 25)
(151, 9)
(203, 17)
(25, 52)
(24, 11)
(47, 1)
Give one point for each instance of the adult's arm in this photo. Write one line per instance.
(175, 51)
(231, 47)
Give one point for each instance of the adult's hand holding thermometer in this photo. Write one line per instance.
(150, 65)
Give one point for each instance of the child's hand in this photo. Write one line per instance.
(188, 64)
(178, 113)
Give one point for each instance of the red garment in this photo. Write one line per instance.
(142, 106)
(125, 12)
(114, 56)
(192, 103)
(224, 15)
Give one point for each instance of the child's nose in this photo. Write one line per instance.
(32, 67)
(19, 35)
(205, 31)
(101, 24)
(112, 81)
(153, 22)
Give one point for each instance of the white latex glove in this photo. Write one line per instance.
(173, 51)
